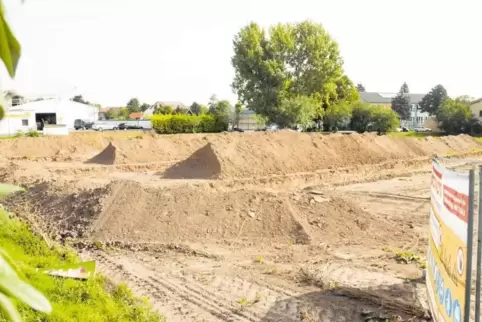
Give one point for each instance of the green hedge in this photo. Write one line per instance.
(178, 123)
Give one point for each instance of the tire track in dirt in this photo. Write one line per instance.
(197, 302)
(272, 303)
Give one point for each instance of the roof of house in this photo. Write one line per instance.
(106, 109)
(476, 101)
(170, 103)
(386, 98)
(136, 115)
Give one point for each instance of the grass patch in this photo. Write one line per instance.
(407, 257)
(72, 300)
(413, 134)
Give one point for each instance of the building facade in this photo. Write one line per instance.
(476, 108)
(417, 117)
(34, 115)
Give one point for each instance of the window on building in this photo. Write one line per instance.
(24, 122)
(480, 113)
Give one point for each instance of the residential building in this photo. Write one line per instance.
(174, 105)
(476, 107)
(34, 115)
(247, 121)
(103, 111)
(417, 117)
(136, 116)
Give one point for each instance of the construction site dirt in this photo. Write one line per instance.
(280, 226)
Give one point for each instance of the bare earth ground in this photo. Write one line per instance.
(243, 226)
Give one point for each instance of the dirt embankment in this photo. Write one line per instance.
(233, 155)
(129, 212)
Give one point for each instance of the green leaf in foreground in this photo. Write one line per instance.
(9, 46)
(7, 307)
(11, 285)
(6, 189)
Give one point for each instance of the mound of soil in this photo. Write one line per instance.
(235, 155)
(62, 214)
(202, 164)
(129, 212)
(109, 156)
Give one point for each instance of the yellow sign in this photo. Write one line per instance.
(447, 251)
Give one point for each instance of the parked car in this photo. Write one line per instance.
(272, 128)
(103, 126)
(422, 129)
(82, 124)
(402, 129)
(125, 126)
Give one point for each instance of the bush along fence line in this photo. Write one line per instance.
(178, 123)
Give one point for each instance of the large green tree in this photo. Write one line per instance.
(338, 115)
(144, 107)
(133, 105)
(455, 116)
(221, 111)
(295, 111)
(286, 62)
(195, 108)
(433, 100)
(401, 103)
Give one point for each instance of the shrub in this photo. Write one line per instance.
(338, 116)
(454, 116)
(361, 117)
(384, 119)
(33, 133)
(179, 123)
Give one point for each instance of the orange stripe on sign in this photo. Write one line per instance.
(437, 173)
(457, 203)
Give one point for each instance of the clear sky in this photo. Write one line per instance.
(112, 50)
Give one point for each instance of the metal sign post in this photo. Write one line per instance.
(479, 251)
(470, 239)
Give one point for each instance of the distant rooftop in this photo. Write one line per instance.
(386, 98)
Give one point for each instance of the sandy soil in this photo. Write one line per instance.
(244, 226)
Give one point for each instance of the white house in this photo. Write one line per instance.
(417, 117)
(58, 111)
(16, 120)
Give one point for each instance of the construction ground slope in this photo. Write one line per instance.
(279, 226)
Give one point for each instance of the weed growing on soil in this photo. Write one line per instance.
(72, 300)
(259, 259)
(408, 257)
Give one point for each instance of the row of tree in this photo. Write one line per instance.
(292, 74)
(454, 116)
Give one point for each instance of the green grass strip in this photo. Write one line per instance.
(96, 299)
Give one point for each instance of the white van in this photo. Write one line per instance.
(102, 126)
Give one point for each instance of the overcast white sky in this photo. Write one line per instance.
(112, 50)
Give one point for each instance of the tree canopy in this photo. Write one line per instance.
(401, 103)
(195, 108)
(338, 115)
(144, 107)
(287, 62)
(295, 111)
(454, 116)
(433, 100)
(360, 88)
(133, 105)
